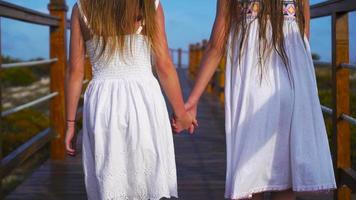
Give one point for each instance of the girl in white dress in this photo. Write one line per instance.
(275, 132)
(127, 144)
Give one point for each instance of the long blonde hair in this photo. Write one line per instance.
(238, 26)
(108, 18)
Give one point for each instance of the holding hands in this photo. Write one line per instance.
(187, 121)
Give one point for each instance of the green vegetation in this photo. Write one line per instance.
(21, 76)
(324, 79)
(20, 127)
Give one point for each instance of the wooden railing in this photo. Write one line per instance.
(58, 23)
(340, 111)
(177, 56)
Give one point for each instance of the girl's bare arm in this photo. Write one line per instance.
(75, 70)
(167, 74)
(212, 55)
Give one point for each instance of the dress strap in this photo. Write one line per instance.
(156, 3)
(82, 13)
(140, 28)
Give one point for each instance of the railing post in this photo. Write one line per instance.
(194, 58)
(221, 87)
(197, 59)
(58, 49)
(341, 101)
(190, 59)
(179, 58)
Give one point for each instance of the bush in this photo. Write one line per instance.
(20, 127)
(325, 94)
(17, 77)
(21, 76)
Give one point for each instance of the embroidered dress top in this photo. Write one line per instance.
(289, 8)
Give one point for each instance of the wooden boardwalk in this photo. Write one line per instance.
(200, 163)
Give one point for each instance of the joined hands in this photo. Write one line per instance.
(187, 121)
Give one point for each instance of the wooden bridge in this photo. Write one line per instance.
(200, 158)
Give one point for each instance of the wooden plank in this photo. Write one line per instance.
(58, 49)
(341, 99)
(55, 179)
(332, 6)
(200, 160)
(12, 11)
(15, 158)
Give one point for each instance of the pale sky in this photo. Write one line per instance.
(187, 21)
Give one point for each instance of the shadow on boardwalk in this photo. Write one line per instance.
(200, 162)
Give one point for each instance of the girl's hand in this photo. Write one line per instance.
(192, 110)
(180, 123)
(70, 140)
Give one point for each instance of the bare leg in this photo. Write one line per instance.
(283, 195)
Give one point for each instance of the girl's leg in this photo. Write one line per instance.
(283, 195)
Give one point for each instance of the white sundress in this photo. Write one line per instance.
(128, 150)
(275, 132)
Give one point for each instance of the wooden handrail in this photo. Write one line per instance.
(13, 11)
(58, 27)
(30, 64)
(327, 110)
(349, 66)
(29, 104)
(349, 119)
(15, 158)
(332, 6)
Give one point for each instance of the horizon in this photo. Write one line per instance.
(182, 17)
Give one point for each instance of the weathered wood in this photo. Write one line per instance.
(200, 159)
(13, 11)
(341, 101)
(190, 61)
(55, 179)
(22, 153)
(58, 49)
(332, 6)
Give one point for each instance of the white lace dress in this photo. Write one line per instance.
(128, 150)
(276, 137)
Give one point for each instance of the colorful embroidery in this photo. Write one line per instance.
(289, 9)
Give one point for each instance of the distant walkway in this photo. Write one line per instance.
(200, 163)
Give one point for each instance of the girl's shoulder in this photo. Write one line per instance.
(156, 3)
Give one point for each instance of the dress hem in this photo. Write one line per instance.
(148, 197)
(306, 189)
